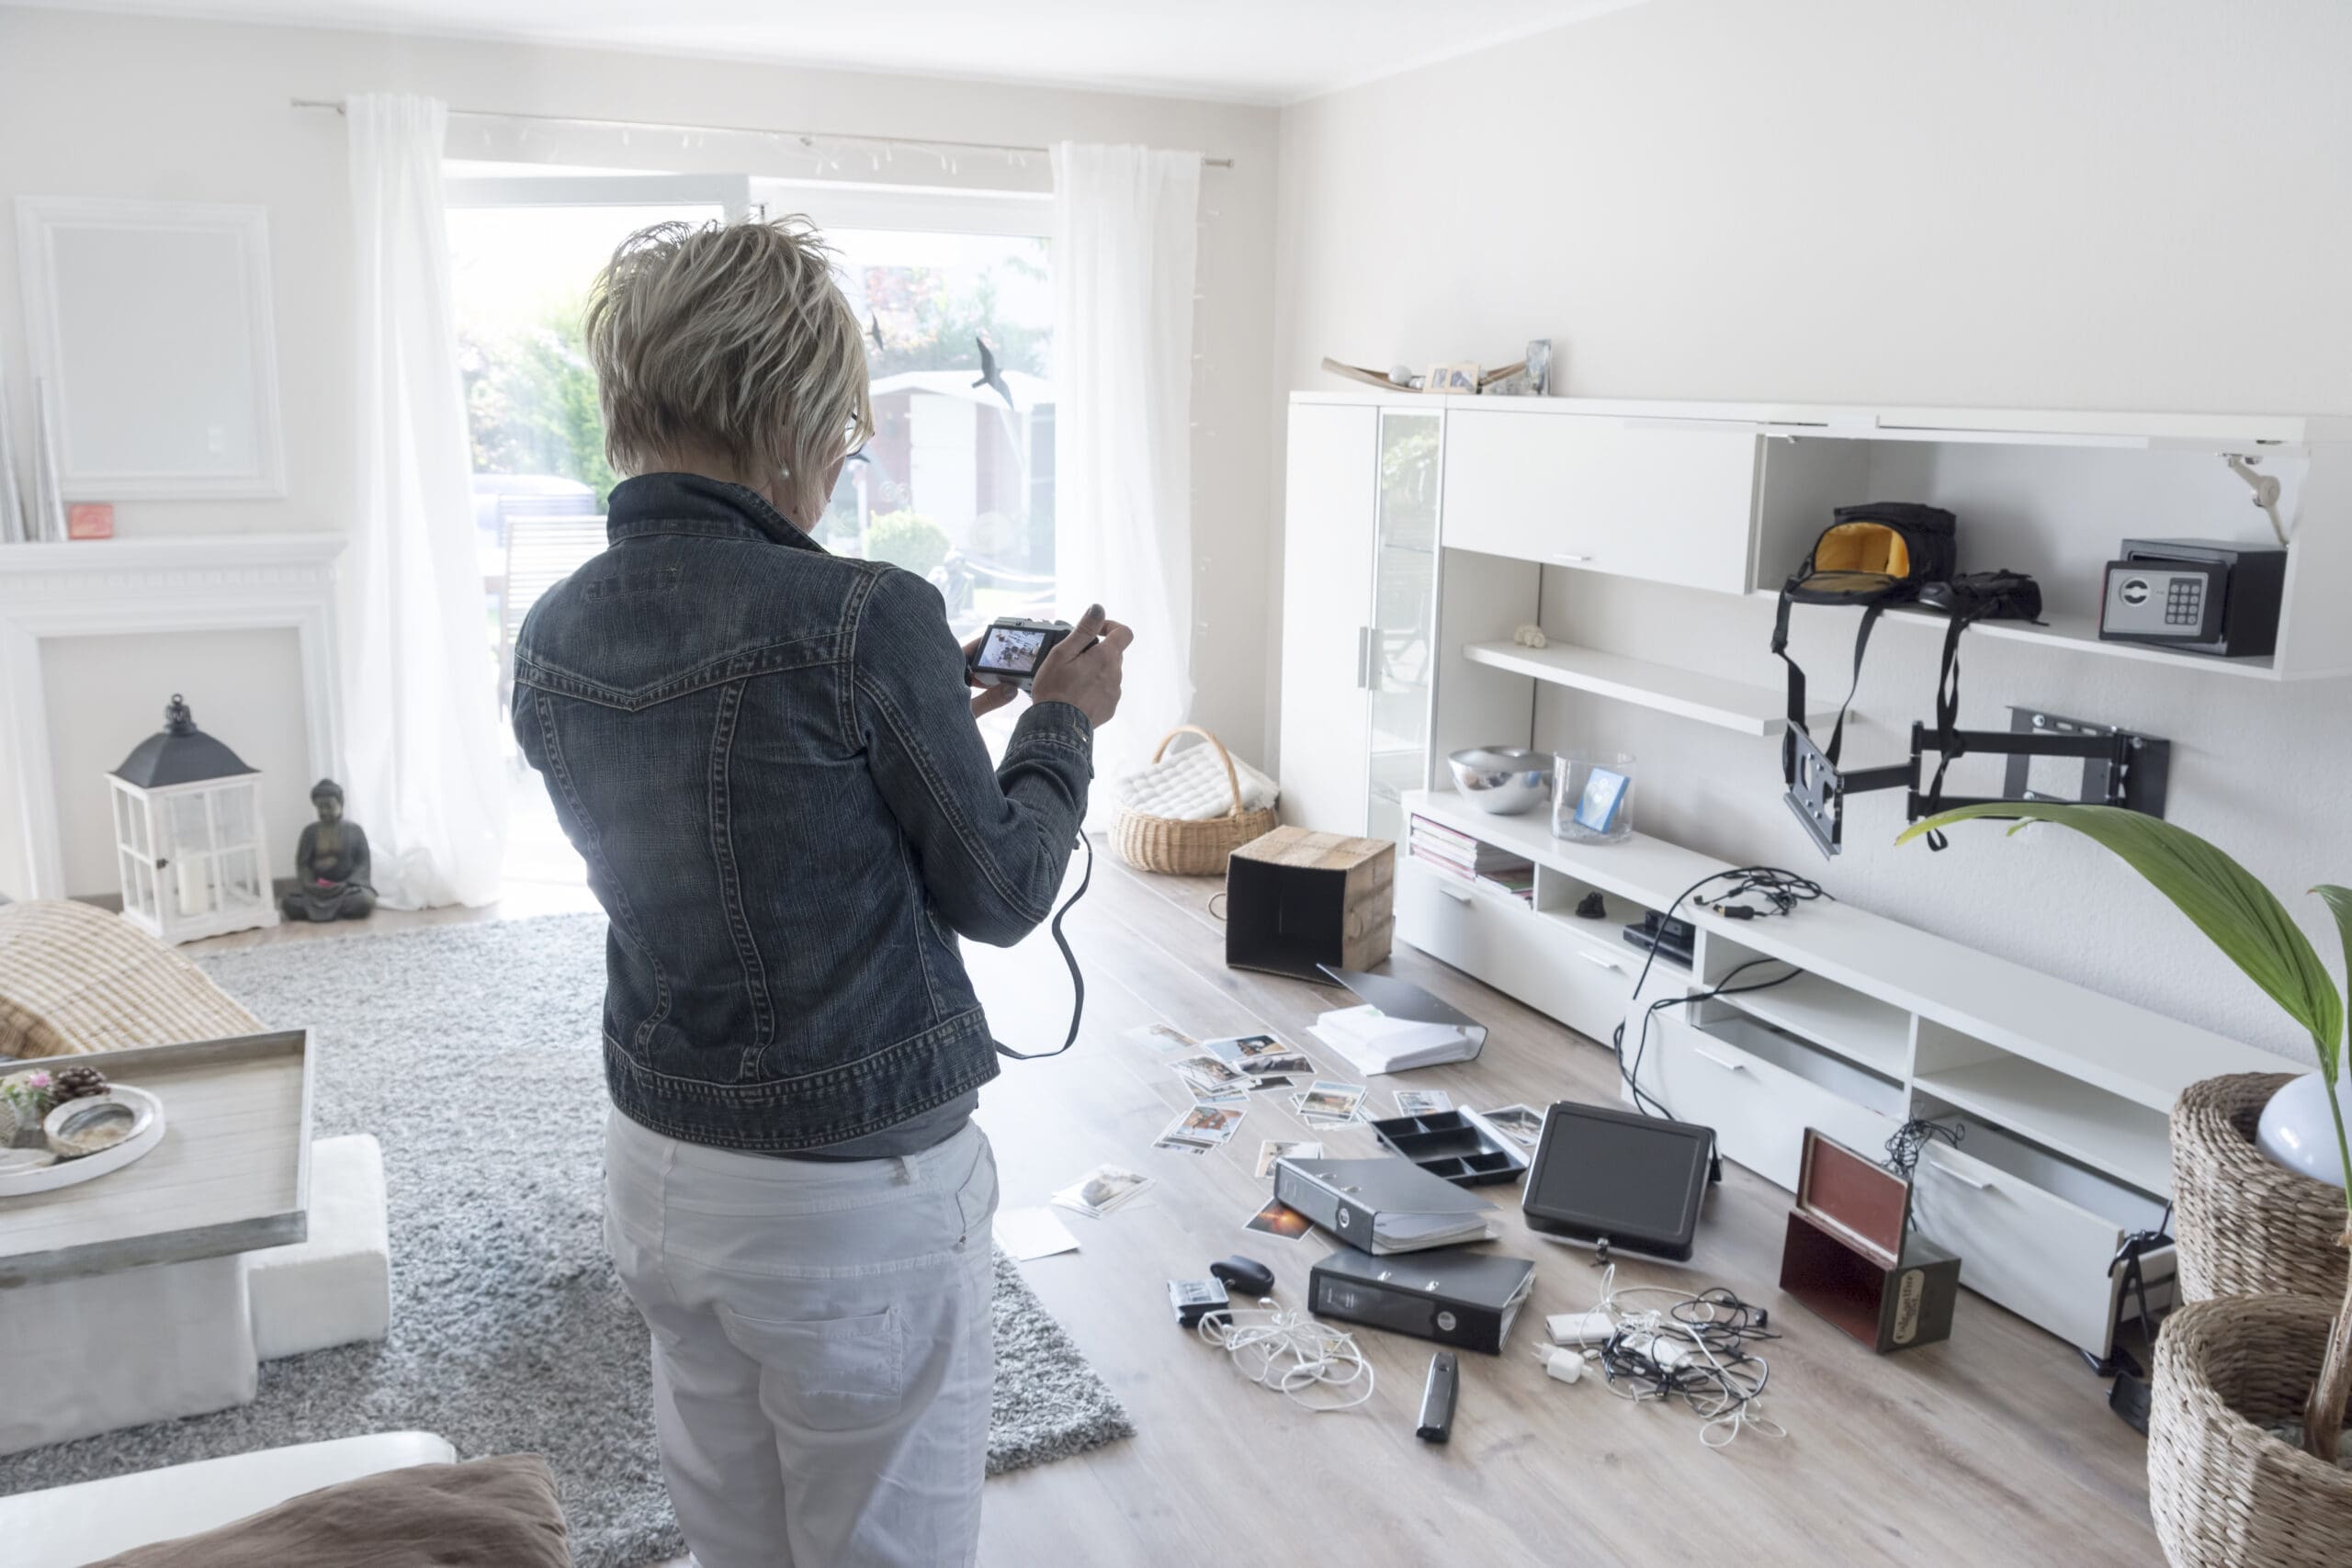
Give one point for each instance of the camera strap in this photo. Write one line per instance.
(1077, 976)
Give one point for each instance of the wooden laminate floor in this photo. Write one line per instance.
(1994, 1448)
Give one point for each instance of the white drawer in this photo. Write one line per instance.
(2036, 1252)
(1511, 948)
(1673, 505)
(1759, 1110)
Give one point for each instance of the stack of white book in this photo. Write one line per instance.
(1456, 853)
(1372, 1042)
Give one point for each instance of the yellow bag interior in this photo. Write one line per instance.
(1863, 547)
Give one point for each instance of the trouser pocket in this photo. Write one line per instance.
(839, 1374)
(976, 1198)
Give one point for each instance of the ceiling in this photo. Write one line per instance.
(1271, 51)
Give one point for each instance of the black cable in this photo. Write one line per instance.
(1632, 1075)
(1782, 892)
(1717, 1380)
(1077, 976)
(1904, 1147)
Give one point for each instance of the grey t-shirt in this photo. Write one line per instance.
(911, 1136)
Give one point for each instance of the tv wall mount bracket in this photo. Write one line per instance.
(2120, 767)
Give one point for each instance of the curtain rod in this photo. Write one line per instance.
(809, 136)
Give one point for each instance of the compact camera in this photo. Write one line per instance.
(1012, 649)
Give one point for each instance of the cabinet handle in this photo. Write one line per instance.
(1725, 1063)
(1459, 894)
(1363, 658)
(1982, 1184)
(1566, 560)
(1609, 963)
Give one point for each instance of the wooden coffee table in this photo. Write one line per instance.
(134, 1283)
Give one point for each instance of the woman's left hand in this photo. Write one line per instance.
(991, 698)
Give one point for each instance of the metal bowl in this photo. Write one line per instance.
(1502, 781)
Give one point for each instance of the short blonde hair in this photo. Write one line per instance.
(730, 338)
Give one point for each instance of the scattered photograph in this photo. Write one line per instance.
(1031, 1233)
(1160, 1037)
(1331, 1102)
(1101, 1189)
(1279, 1219)
(1422, 1101)
(1205, 1126)
(1273, 1149)
(1521, 1123)
(1205, 1076)
(1275, 1082)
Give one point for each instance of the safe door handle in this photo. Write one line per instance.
(1725, 1063)
(1363, 658)
(1982, 1184)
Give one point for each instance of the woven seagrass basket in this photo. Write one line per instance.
(1181, 848)
(2244, 1225)
(2224, 1492)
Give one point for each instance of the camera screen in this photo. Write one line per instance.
(1009, 648)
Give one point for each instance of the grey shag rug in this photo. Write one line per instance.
(509, 1332)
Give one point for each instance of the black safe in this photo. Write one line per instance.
(2200, 595)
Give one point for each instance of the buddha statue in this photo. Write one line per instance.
(331, 864)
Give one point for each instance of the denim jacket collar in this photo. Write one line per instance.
(690, 504)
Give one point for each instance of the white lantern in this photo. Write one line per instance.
(187, 835)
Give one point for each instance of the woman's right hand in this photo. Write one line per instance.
(1083, 669)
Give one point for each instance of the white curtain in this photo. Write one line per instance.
(424, 768)
(1124, 246)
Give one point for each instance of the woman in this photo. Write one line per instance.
(766, 755)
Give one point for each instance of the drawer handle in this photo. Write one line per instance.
(1982, 1184)
(1609, 963)
(1566, 560)
(1459, 894)
(1725, 1063)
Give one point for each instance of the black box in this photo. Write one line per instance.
(1296, 900)
(1851, 1255)
(1453, 1295)
(2231, 596)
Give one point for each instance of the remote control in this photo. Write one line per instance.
(1437, 1399)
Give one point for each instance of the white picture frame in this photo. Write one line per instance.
(152, 325)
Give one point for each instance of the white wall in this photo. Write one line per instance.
(136, 106)
(2038, 203)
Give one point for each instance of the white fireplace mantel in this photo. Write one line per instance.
(86, 588)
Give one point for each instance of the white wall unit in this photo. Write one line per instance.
(1671, 502)
(2064, 1092)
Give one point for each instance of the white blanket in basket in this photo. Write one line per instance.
(1191, 786)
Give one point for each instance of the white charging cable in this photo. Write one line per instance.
(1292, 1354)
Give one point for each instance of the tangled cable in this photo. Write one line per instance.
(1292, 1354)
(1902, 1149)
(1693, 1349)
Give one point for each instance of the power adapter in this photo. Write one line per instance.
(1580, 1327)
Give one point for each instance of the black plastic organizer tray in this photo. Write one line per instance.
(1455, 1145)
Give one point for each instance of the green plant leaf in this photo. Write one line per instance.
(2339, 904)
(2221, 898)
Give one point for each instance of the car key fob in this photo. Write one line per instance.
(1437, 1399)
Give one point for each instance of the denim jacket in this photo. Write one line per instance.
(766, 755)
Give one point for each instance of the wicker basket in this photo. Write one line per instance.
(1181, 848)
(2224, 1492)
(2248, 1226)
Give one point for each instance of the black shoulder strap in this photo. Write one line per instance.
(1948, 743)
(1077, 976)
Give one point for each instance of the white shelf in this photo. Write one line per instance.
(1687, 693)
(2079, 634)
(1862, 1028)
(2116, 1047)
(2063, 1113)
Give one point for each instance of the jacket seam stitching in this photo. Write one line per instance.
(544, 706)
(731, 885)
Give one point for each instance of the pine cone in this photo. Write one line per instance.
(77, 1083)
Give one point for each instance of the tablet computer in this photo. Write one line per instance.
(1633, 1182)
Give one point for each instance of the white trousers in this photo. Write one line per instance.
(822, 1361)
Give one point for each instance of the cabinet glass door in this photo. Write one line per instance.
(1400, 652)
